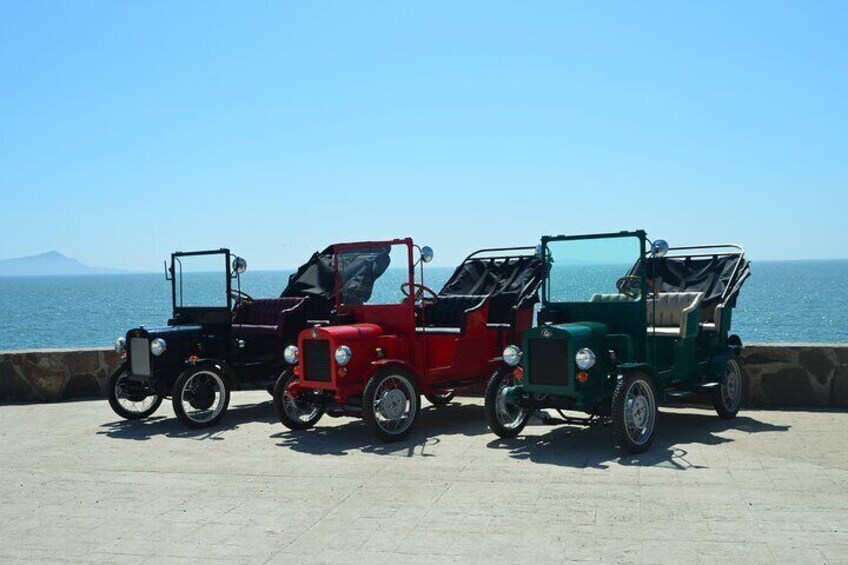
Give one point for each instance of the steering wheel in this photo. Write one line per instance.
(630, 286)
(421, 292)
(240, 296)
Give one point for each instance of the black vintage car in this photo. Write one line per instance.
(219, 338)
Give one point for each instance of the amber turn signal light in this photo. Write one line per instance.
(582, 377)
(342, 371)
(518, 373)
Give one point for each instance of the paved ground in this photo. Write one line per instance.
(78, 485)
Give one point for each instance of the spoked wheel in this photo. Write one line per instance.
(728, 397)
(634, 412)
(391, 403)
(130, 400)
(504, 418)
(293, 413)
(201, 396)
(440, 398)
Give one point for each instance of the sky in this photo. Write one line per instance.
(132, 129)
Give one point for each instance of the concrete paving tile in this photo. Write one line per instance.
(111, 491)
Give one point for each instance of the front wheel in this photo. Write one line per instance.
(201, 396)
(129, 400)
(634, 412)
(505, 419)
(391, 403)
(293, 413)
(728, 397)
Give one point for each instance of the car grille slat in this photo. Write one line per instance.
(316, 360)
(139, 356)
(549, 363)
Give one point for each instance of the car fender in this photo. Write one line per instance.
(233, 381)
(399, 363)
(627, 368)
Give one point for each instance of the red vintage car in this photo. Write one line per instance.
(395, 338)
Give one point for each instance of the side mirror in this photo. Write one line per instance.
(659, 248)
(426, 254)
(239, 265)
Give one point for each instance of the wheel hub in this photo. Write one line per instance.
(392, 404)
(203, 398)
(640, 412)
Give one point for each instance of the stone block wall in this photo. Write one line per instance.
(55, 374)
(795, 375)
(775, 375)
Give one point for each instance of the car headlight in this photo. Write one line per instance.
(585, 359)
(120, 345)
(291, 354)
(512, 355)
(342, 355)
(158, 346)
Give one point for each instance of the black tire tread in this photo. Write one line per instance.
(279, 391)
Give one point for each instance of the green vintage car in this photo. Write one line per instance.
(624, 325)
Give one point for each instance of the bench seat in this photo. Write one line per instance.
(674, 314)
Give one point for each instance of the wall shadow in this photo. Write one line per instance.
(575, 446)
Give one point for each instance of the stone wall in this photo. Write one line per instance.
(55, 374)
(776, 375)
(795, 375)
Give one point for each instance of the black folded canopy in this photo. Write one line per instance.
(719, 277)
(519, 277)
(360, 267)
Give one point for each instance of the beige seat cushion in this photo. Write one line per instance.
(674, 313)
(615, 297)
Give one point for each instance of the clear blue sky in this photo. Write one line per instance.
(129, 129)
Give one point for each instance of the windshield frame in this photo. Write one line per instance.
(176, 272)
(340, 248)
(638, 260)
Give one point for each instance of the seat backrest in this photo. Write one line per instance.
(667, 309)
(614, 297)
(449, 311)
(263, 311)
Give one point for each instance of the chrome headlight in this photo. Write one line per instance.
(158, 346)
(343, 355)
(120, 345)
(291, 354)
(585, 359)
(512, 355)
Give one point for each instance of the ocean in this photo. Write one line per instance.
(783, 301)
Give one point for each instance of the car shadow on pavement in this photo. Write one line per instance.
(433, 423)
(575, 446)
(169, 426)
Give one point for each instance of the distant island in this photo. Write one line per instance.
(51, 263)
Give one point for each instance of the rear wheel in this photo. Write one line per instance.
(507, 420)
(293, 413)
(440, 398)
(391, 403)
(728, 397)
(634, 412)
(130, 400)
(201, 396)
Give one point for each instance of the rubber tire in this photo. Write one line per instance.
(368, 403)
(437, 400)
(723, 412)
(618, 400)
(113, 400)
(491, 397)
(279, 391)
(176, 396)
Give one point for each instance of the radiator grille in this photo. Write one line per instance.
(140, 356)
(316, 360)
(549, 362)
